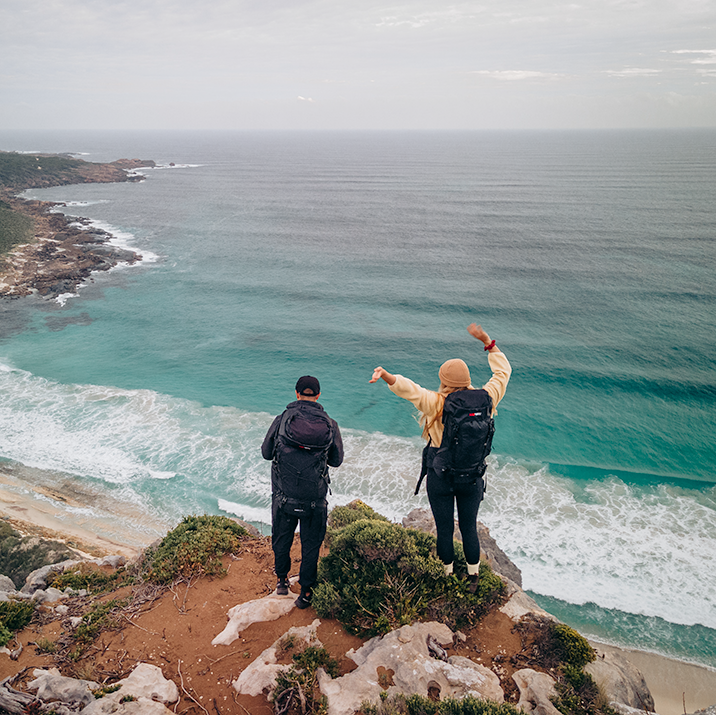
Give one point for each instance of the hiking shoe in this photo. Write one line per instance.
(304, 600)
(473, 582)
(282, 587)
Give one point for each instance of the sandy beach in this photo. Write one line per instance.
(677, 687)
(35, 503)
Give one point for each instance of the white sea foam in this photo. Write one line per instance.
(636, 549)
(247, 513)
(645, 550)
(73, 204)
(120, 239)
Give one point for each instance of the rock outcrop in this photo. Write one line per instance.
(54, 253)
(621, 682)
(410, 668)
(536, 690)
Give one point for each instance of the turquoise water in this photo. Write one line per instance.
(588, 256)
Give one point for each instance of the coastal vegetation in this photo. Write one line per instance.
(14, 616)
(194, 548)
(297, 688)
(15, 228)
(379, 576)
(376, 576)
(420, 705)
(19, 171)
(20, 555)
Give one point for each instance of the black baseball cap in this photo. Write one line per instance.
(308, 386)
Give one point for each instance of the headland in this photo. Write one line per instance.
(43, 251)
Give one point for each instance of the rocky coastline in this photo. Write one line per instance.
(167, 651)
(52, 253)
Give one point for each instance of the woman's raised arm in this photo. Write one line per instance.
(381, 374)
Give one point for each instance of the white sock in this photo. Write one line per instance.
(448, 569)
(473, 569)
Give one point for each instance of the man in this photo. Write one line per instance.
(303, 442)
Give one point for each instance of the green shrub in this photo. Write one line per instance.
(20, 555)
(419, 705)
(90, 578)
(5, 635)
(194, 548)
(379, 576)
(106, 690)
(102, 616)
(572, 648)
(298, 686)
(14, 616)
(341, 516)
(45, 645)
(14, 229)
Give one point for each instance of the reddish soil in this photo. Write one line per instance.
(173, 629)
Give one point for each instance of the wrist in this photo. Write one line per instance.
(490, 346)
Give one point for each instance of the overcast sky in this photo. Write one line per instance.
(355, 64)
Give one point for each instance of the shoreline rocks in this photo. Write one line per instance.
(63, 251)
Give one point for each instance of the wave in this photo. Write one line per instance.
(641, 548)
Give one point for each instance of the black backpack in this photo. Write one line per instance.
(467, 437)
(301, 448)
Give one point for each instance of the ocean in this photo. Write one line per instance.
(588, 256)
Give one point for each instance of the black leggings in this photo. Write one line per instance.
(443, 495)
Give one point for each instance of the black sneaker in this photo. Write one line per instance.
(282, 587)
(473, 582)
(304, 600)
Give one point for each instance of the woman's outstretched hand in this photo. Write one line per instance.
(477, 332)
(381, 374)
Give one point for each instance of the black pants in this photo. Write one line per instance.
(443, 495)
(313, 531)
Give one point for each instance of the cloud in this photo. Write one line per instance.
(709, 59)
(633, 72)
(517, 75)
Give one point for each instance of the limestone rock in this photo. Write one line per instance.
(241, 616)
(711, 710)
(404, 654)
(252, 530)
(148, 681)
(49, 595)
(147, 686)
(260, 676)
(519, 604)
(620, 680)
(422, 520)
(114, 561)
(50, 685)
(38, 578)
(7, 585)
(536, 689)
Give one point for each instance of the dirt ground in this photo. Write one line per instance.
(173, 629)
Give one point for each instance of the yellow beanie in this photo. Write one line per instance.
(454, 373)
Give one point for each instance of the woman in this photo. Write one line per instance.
(442, 493)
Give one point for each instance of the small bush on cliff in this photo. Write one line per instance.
(14, 616)
(379, 576)
(91, 578)
(297, 688)
(341, 516)
(20, 555)
(194, 548)
(419, 705)
(561, 649)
